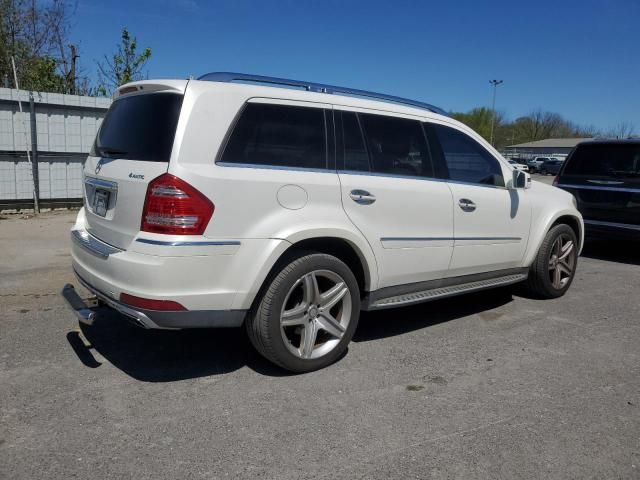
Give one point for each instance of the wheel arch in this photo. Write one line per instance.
(569, 217)
(340, 248)
(354, 252)
(575, 224)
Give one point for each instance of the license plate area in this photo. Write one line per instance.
(101, 202)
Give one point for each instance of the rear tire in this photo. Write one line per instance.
(554, 267)
(305, 315)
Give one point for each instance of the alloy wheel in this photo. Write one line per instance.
(562, 261)
(315, 314)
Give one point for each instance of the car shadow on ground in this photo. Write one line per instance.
(397, 321)
(610, 250)
(167, 356)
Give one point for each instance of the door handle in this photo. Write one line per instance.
(466, 205)
(362, 197)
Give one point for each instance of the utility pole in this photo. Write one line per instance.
(495, 84)
(72, 71)
(34, 166)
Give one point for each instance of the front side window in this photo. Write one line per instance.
(397, 146)
(466, 159)
(278, 135)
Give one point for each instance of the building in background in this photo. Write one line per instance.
(64, 126)
(551, 147)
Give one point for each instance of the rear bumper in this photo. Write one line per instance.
(216, 280)
(150, 318)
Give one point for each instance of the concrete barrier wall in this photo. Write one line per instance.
(66, 126)
(59, 177)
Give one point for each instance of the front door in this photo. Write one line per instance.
(491, 223)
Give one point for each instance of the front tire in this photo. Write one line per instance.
(306, 314)
(553, 269)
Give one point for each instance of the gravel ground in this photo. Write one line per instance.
(490, 385)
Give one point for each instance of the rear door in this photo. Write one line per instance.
(390, 193)
(133, 146)
(605, 179)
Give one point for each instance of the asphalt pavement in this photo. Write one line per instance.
(489, 385)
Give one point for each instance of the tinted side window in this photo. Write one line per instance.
(605, 160)
(354, 151)
(466, 159)
(397, 146)
(139, 127)
(278, 135)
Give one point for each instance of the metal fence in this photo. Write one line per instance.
(58, 130)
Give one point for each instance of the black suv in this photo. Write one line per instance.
(604, 176)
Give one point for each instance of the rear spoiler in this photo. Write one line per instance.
(148, 86)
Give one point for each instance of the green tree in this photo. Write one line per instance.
(479, 119)
(34, 34)
(124, 66)
(537, 125)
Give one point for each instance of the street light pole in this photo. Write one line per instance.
(495, 84)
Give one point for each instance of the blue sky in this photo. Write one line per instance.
(578, 58)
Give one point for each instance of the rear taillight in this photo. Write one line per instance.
(555, 181)
(174, 207)
(150, 304)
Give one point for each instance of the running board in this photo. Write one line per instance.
(442, 292)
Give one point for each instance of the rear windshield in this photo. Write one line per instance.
(139, 127)
(605, 160)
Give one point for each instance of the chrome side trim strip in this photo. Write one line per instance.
(187, 244)
(513, 239)
(414, 239)
(99, 183)
(593, 187)
(415, 177)
(429, 239)
(274, 167)
(435, 293)
(626, 226)
(92, 244)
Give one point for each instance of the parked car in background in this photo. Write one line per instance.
(536, 162)
(604, 176)
(551, 166)
(518, 166)
(212, 203)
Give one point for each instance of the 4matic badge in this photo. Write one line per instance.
(139, 176)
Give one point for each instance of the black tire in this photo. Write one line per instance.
(539, 282)
(263, 322)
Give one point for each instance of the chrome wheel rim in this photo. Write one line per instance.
(315, 314)
(562, 261)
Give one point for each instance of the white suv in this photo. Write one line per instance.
(227, 201)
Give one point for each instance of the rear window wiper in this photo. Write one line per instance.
(107, 151)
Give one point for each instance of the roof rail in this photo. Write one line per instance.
(315, 87)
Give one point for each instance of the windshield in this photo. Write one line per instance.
(139, 127)
(605, 160)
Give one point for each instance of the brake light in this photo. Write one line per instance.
(174, 207)
(150, 304)
(555, 181)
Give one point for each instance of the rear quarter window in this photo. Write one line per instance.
(278, 135)
(139, 127)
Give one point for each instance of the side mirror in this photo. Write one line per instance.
(520, 180)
